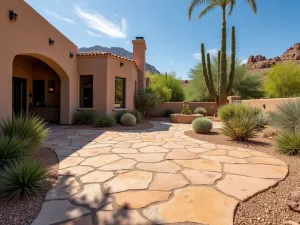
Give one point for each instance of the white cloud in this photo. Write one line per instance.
(244, 61)
(93, 34)
(100, 24)
(53, 14)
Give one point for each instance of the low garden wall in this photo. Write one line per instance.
(160, 110)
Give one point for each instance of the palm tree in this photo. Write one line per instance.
(211, 5)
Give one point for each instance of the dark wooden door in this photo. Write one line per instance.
(19, 95)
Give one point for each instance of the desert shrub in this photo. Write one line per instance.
(28, 128)
(137, 115)
(288, 143)
(104, 121)
(229, 111)
(84, 117)
(200, 110)
(145, 101)
(240, 127)
(118, 115)
(22, 179)
(270, 133)
(12, 149)
(169, 112)
(287, 116)
(202, 125)
(262, 119)
(128, 120)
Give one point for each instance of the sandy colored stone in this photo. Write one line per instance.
(145, 144)
(162, 167)
(140, 199)
(61, 192)
(200, 164)
(122, 145)
(121, 217)
(96, 177)
(66, 153)
(124, 150)
(122, 164)
(267, 161)
(194, 204)
(92, 196)
(58, 211)
(209, 146)
(201, 177)
(93, 151)
(145, 157)
(172, 145)
(239, 154)
(198, 150)
(66, 162)
(152, 149)
(226, 147)
(100, 160)
(167, 181)
(86, 220)
(225, 159)
(98, 145)
(243, 187)
(75, 170)
(129, 181)
(218, 152)
(65, 181)
(181, 154)
(256, 170)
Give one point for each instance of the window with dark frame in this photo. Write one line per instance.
(120, 90)
(86, 91)
(38, 92)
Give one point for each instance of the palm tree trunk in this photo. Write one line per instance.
(223, 78)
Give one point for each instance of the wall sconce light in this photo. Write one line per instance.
(13, 16)
(51, 86)
(51, 42)
(71, 55)
(121, 64)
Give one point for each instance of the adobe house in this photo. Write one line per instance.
(42, 72)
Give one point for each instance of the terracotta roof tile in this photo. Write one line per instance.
(94, 53)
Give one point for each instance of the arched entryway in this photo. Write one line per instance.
(39, 86)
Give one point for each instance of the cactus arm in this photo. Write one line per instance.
(223, 75)
(232, 66)
(218, 74)
(209, 72)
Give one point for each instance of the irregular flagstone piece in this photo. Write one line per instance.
(198, 150)
(93, 151)
(124, 150)
(122, 164)
(200, 164)
(140, 199)
(218, 152)
(65, 162)
(65, 181)
(58, 211)
(129, 181)
(256, 170)
(153, 149)
(225, 159)
(86, 220)
(145, 144)
(145, 157)
(98, 145)
(121, 217)
(201, 177)
(209, 146)
(226, 147)
(181, 154)
(61, 192)
(243, 187)
(186, 143)
(66, 153)
(167, 181)
(96, 177)
(172, 145)
(122, 171)
(100, 160)
(122, 145)
(75, 170)
(259, 154)
(267, 161)
(239, 154)
(92, 196)
(202, 205)
(163, 167)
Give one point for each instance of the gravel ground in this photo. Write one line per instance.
(269, 207)
(24, 211)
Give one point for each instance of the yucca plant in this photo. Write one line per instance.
(229, 111)
(22, 179)
(288, 143)
(29, 128)
(12, 149)
(262, 119)
(84, 117)
(104, 121)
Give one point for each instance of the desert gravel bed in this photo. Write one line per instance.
(24, 211)
(269, 207)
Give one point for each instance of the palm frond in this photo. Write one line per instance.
(194, 4)
(207, 9)
(231, 6)
(253, 5)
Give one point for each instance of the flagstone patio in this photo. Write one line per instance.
(155, 176)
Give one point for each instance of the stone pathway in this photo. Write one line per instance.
(157, 176)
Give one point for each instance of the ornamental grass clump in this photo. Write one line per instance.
(118, 115)
(288, 143)
(200, 110)
(229, 111)
(137, 115)
(84, 117)
(128, 120)
(202, 125)
(104, 121)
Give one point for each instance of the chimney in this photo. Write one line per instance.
(139, 57)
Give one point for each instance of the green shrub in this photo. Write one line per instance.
(31, 129)
(22, 179)
(240, 127)
(118, 115)
(262, 119)
(288, 143)
(84, 117)
(145, 101)
(229, 111)
(137, 115)
(202, 125)
(104, 121)
(270, 133)
(169, 112)
(128, 120)
(200, 110)
(287, 116)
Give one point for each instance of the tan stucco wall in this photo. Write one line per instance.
(29, 35)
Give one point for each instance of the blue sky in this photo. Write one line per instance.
(173, 42)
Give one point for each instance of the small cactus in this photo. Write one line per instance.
(186, 108)
(202, 125)
(128, 120)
